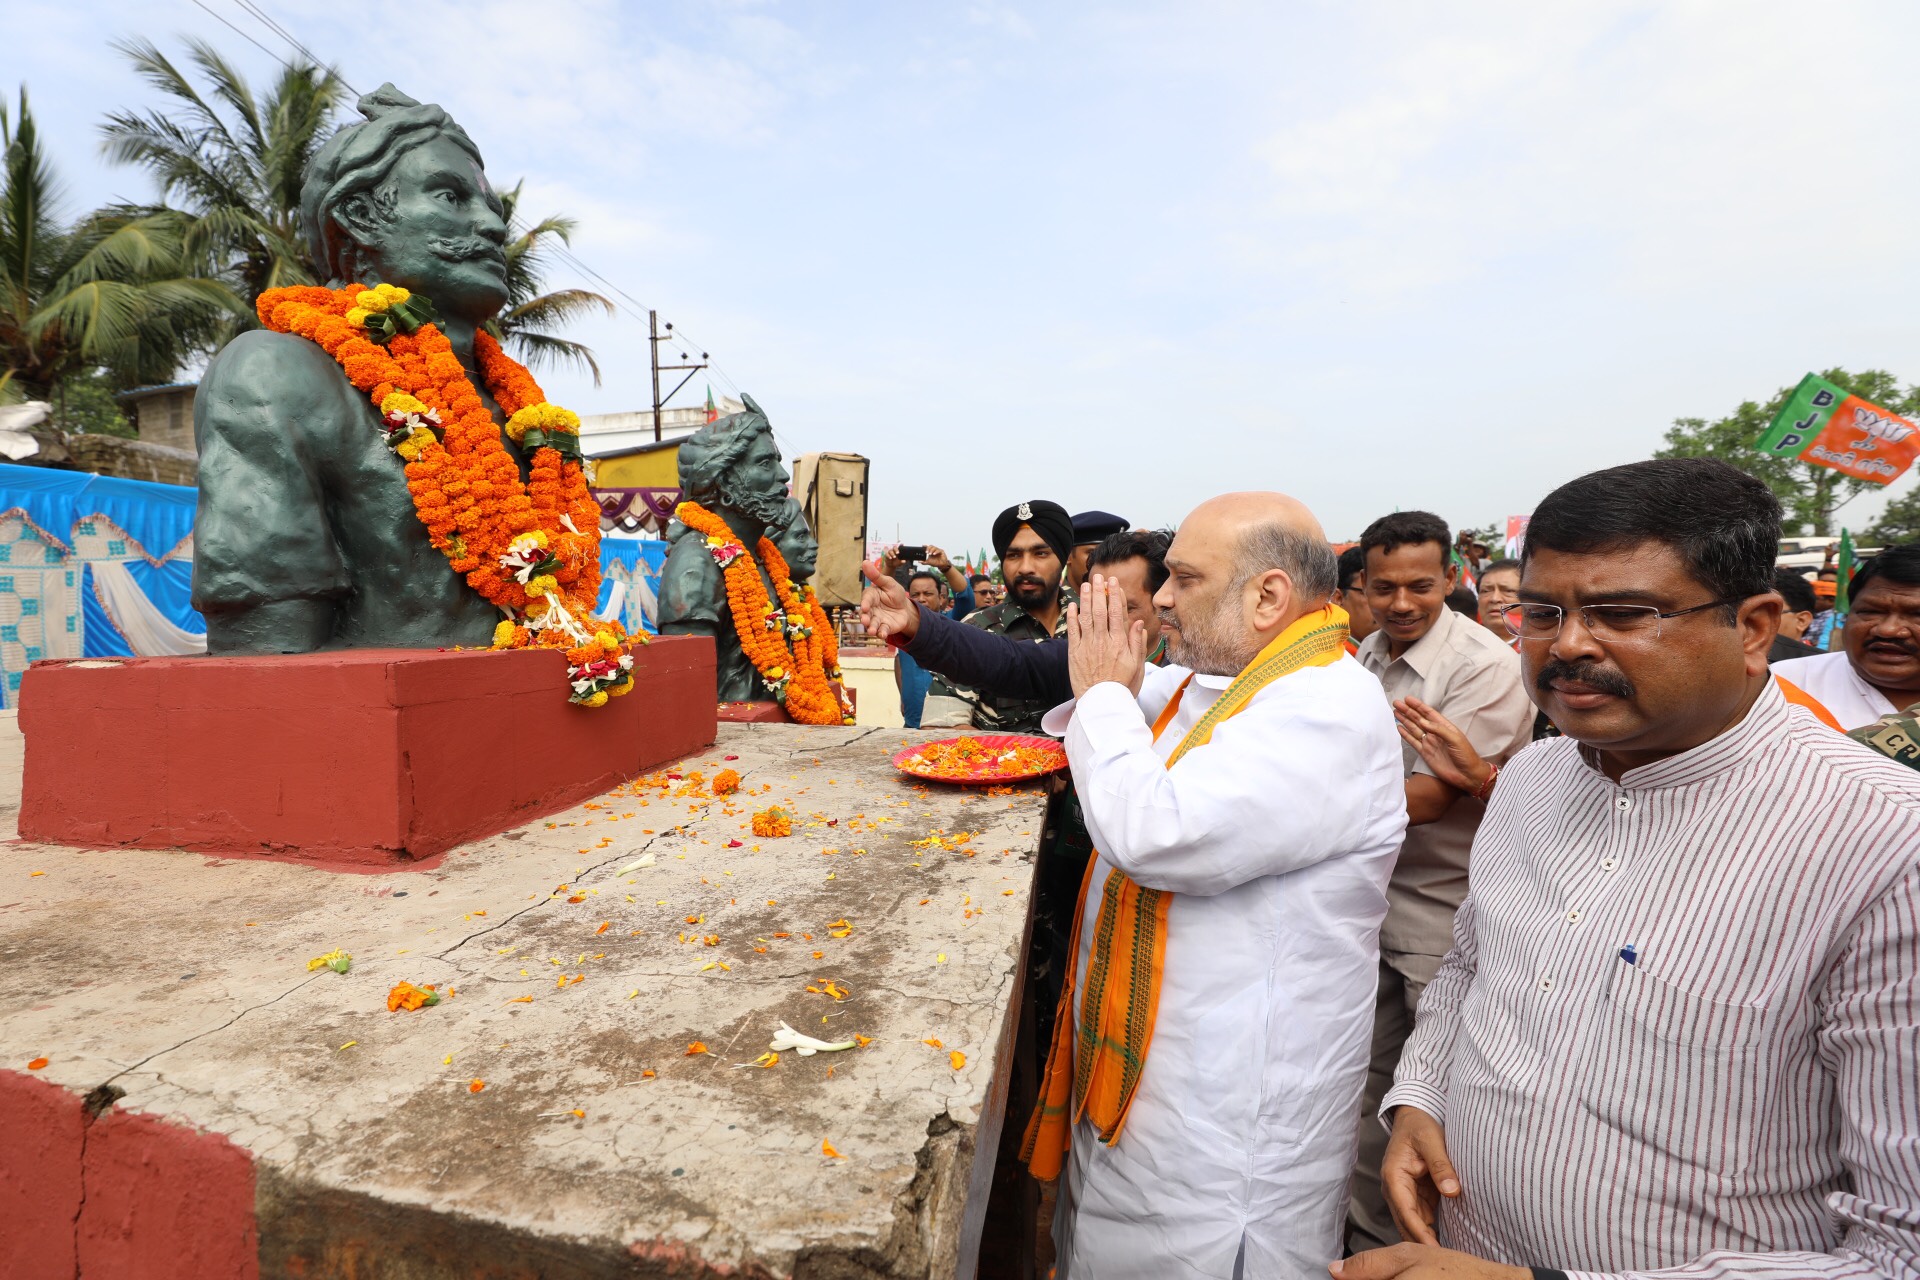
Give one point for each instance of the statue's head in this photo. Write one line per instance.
(403, 199)
(733, 465)
(791, 534)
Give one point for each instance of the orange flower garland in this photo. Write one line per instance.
(790, 644)
(532, 549)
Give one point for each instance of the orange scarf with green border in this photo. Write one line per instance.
(1094, 1070)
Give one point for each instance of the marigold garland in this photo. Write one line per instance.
(531, 549)
(791, 644)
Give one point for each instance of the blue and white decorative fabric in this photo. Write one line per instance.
(630, 581)
(93, 566)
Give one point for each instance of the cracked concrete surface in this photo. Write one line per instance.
(183, 980)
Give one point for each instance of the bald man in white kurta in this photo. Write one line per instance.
(1277, 839)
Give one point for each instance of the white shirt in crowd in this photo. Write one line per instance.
(1679, 1030)
(1830, 680)
(1277, 839)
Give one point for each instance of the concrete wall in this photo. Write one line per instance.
(133, 459)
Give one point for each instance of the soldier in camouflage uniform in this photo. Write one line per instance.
(1895, 736)
(1033, 541)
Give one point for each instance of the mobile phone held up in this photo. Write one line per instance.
(911, 555)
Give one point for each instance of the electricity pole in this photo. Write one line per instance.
(654, 339)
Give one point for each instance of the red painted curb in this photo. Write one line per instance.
(122, 1197)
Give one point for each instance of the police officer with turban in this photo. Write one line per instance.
(1033, 540)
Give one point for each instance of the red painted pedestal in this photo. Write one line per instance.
(754, 713)
(356, 757)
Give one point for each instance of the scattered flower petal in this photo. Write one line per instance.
(697, 1047)
(476, 1086)
(36, 1064)
(409, 997)
(826, 1149)
(958, 1059)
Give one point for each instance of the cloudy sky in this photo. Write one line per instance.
(1378, 255)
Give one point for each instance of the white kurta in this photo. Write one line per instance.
(1830, 680)
(1277, 840)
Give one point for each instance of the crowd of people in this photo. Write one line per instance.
(1569, 928)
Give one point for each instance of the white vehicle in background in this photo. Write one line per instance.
(1809, 554)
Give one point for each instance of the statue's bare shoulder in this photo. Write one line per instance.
(276, 386)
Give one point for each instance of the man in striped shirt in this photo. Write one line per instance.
(1679, 1030)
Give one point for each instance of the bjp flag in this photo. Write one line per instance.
(1829, 426)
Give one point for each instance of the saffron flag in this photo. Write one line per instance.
(1828, 426)
(713, 414)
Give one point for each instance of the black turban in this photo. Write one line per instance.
(1048, 519)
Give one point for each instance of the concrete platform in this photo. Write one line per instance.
(597, 1146)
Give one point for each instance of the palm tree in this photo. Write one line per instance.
(237, 175)
(239, 180)
(109, 292)
(526, 325)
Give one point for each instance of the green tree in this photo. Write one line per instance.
(84, 403)
(234, 173)
(107, 293)
(1900, 522)
(1810, 495)
(526, 326)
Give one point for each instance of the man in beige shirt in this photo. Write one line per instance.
(1424, 650)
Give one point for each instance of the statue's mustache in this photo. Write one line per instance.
(464, 248)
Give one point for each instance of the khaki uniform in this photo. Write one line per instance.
(956, 706)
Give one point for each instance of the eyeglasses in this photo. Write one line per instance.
(1604, 622)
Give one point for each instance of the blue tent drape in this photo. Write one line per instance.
(54, 526)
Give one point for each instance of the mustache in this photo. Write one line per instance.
(464, 248)
(1904, 646)
(1591, 674)
(1028, 580)
(1168, 618)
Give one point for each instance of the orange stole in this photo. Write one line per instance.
(1095, 1071)
(1801, 698)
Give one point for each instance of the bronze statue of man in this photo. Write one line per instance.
(306, 537)
(732, 468)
